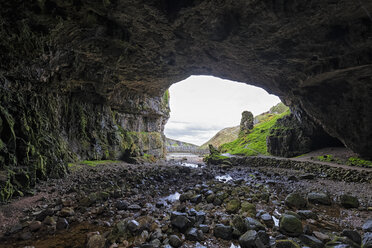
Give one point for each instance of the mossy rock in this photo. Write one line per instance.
(295, 200)
(247, 207)
(233, 206)
(290, 225)
(349, 201)
(286, 243)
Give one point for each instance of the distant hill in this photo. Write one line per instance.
(180, 146)
(226, 135)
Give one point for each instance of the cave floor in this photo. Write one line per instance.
(88, 206)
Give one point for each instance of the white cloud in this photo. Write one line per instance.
(202, 105)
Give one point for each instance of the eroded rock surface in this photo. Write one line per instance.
(114, 60)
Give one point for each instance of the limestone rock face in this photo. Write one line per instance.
(291, 137)
(115, 59)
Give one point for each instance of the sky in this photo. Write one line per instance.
(203, 105)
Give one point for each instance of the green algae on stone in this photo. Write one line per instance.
(290, 225)
(233, 206)
(249, 208)
(286, 243)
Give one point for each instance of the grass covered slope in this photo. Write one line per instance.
(223, 136)
(254, 143)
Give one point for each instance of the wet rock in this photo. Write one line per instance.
(193, 234)
(121, 205)
(321, 236)
(286, 243)
(348, 201)
(253, 224)
(133, 226)
(180, 221)
(367, 240)
(367, 226)
(290, 225)
(267, 219)
(204, 228)
(319, 198)
(307, 214)
(223, 232)
(62, 224)
(35, 226)
(353, 235)
(251, 239)
(295, 200)
(95, 240)
(311, 241)
(233, 206)
(175, 241)
(66, 212)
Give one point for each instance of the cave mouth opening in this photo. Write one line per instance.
(203, 105)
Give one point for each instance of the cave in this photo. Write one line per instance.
(88, 79)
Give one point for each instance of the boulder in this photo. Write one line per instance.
(319, 198)
(290, 225)
(295, 200)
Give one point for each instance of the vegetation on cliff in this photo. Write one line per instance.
(254, 143)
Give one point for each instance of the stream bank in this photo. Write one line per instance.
(168, 205)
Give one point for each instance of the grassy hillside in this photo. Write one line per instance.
(254, 143)
(176, 143)
(224, 136)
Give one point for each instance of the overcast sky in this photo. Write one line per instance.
(203, 105)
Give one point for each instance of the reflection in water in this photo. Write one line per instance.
(224, 178)
(190, 165)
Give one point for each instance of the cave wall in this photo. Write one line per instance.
(111, 61)
(291, 136)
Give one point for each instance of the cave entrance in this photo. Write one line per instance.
(203, 105)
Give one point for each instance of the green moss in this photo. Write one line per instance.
(253, 143)
(6, 192)
(94, 163)
(353, 161)
(166, 97)
(326, 158)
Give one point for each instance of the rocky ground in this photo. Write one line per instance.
(172, 205)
